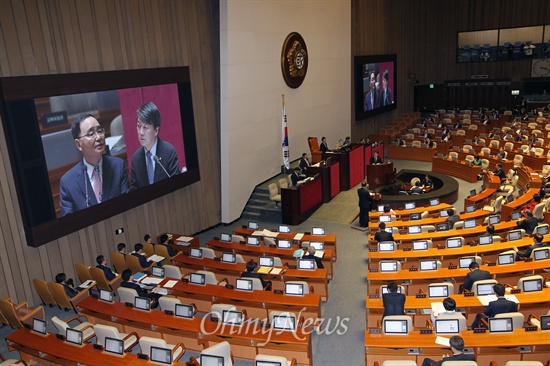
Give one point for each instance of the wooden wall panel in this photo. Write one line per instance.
(68, 36)
(423, 34)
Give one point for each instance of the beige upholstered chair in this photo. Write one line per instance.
(172, 271)
(283, 183)
(145, 343)
(222, 349)
(274, 194)
(11, 361)
(127, 294)
(494, 144)
(82, 272)
(148, 249)
(104, 331)
(86, 328)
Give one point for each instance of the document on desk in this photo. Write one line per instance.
(155, 258)
(275, 270)
(170, 284)
(437, 307)
(151, 280)
(442, 341)
(299, 236)
(263, 270)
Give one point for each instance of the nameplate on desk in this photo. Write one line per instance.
(244, 226)
(272, 246)
(62, 337)
(129, 304)
(468, 294)
(516, 291)
(94, 296)
(528, 259)
(216, 238)
(405, 282)
(228, 286)
(185, 280)
(408, 249)
(278, 292)
(307, 233)
(441, 247)
(524, 349)
(420, 296)
(217, 259)
(490, 264)
(375, 296)
(168, 312)
(143, 356)
(472, 243)
(426, 331)
(413, 269)
(98, 347)
(413, 351)
(480, 330)
(375, 331)
(373, 270)
(452, 266)
(372, 250)
(410, 311)
(531, 328)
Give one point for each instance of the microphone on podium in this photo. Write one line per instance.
(157, 159)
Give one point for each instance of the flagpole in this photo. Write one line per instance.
(286, 153)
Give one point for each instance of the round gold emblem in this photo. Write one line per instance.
(294, 60)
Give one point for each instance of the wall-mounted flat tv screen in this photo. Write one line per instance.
(85, 147)
(375, 85)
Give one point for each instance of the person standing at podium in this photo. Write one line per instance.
(295, 177)
(324, 147)
(375, 159)
(365, 200)
(304, 163)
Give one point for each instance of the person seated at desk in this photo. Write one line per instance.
(143, 261)
(508, 136)
(475, 274)
(148, 239)
(295, 176)
(445, 131)
(347, 141)
(499, 306)
(499, 172)
(457, 347)
(538, 238)
(531, 205)
(68, 284)
(375, 159)
(388, 210)
(250, 268)
(529, 223)
(477, 161)
(476, 140)
(304, 164)
(424, 124)
(426, 134)
(382, 234)
(121, 248)
(486, 121)
(452, 218)
(394, 302)
(519, 136)
(164, 242)
(427, 182)
(102, 265)
(457, 125)
(447, 137)
(450, 309)
(501, 153)
(429, 143)
(495, 115)
(400, 142)
(417, 188)
(127, 282)
(311, 255)
(324, 147)
(429, 119)
(490, 230)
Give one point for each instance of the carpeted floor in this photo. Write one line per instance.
(342, 339)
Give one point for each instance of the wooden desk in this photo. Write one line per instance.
(380, 175)
(297, 204)
(419, 209)
(478, 214)
(410, 153)
(253, 252)
(194, 243)
(507, 208)
(492, 183)
(487, 346)
(457, 169)
(316, 278)
(246, 341)
(328, 239)
(51, 351)
(329, 174)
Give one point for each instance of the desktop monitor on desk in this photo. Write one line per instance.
(197, 278)
(414, 229)
(385, 218)
(39, 326)
(420, 245)
(482, 188)
(284, 243)
(514, 235)
(267, 261)
(158, 272)
(469, 224)
(225, 237)
(506, 258)
(428, 264)
(142, 303)
(410, 205)
(306, 264)
(516, 215)
(318, 231)
(389, 229)
(545, 322)
(284, 322)
(384, 289)
(161, 355)
(415, 216)
(396, 326)
(195, 253)
(532, 285)
(438, 291)
(380, 208)
(386, 246)
(443, 213)
(464, 262)
(390, 266)
(318, 245)
(253, 240)
(454, 243)
(442, 226)
(106, 295)
(229, 257)
(184, 311)
(485, 289)
(472, 192)
(485, 239)
(447, 326)
(294, 289)
(434, 201)
(73, 336)
(470, 208)
(232, 317)
(211, 360)
(244, 284)
(268, 363)
(494, 219)
(285, 229)
(253, 225)
(501, 325)
(542, 229)
(509, 198)
(541, 254)
(113, 345)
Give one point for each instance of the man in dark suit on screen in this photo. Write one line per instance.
(156, 159)
(97, 177)
(386, 94)
(371, 99)
(365, 200)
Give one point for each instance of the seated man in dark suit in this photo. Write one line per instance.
(457, 347)
(311, 255)
(427, 182)
(457, 125)
(128, 283)
(295, 176)
(121, 247)
(394, 302)
(499, 306)
(475, 274)
(375, 159)
(250, 267)
(452, 218)
(417, 188)
(138, 252)
(164, 242)
(382, 234)
(102, 265)
(68, 284)
(529, 223)
(500, 172)
(527, 252)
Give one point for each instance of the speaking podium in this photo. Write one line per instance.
(380, 175)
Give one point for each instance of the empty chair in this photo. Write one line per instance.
(145, 343)
(453, 155)
(216, 310)
(484, 164)
(509, 146)
(127, 294)
(86, 328)
(63, 301)
(538, 211)
(481, 141)
(237, 238)
(104, 331)
(471, 126)
(427, 228)
(485, 151)
(469, 159)
(518, 160)
(495, 206)
(11, 362)
(517, 318)
(398, 363)
(460, 132)
(273, 194)
(458, 225)
(523, 363)
(41, 288)
(283, 183)
(82, 272)
(276, 360)
(402, 193)
(172, 271)
(482, 282)
(222, 349)
(17, 314)
(101, 281)
(416, 143)
(494, 144)
(416, 130)
(119, 261)
(168, 303)
(409, 136)
(269, 241)
(210, 253)
(466, 148)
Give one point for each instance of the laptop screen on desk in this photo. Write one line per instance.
(438, 291)
(447, 326)
(500, 325)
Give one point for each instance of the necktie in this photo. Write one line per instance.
(150, 170)
(372, 100)
(96, 183)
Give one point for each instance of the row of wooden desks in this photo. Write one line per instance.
(49, 350)
(246, 341)
(316, 278)
(405, 213)
(410, 153)
(478, 214)
(328, 239)
(487, 347)
(457, 169)
(254, 251)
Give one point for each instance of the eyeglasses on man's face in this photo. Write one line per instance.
(100, 131)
